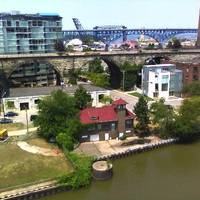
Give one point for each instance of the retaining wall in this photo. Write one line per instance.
(36, 193)
(136, 150)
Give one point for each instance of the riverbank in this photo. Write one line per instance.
(20, 168)
(52, 187)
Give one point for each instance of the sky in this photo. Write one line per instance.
(131, 13)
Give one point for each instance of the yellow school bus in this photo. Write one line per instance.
(3, 134)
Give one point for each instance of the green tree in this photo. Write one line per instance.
(59, 46)
(151, 46)
(176, 43)
(82, 98)
(73, 75)
(95, 66)
(162, 115)
(69, 48)
(192, 89)
(142, 113)
(170, 45)
(87, 40)
(56, 116)
(131, 75)
(98, 79)
(187, 123)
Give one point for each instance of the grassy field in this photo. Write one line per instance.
(14, 126)
(18, 167)
(136, 94)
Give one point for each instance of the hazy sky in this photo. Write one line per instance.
(131, 13)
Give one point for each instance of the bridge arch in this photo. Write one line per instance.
(115, 72)
(34, 73)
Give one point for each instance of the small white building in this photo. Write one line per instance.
(28, 98)
(76, 44)
(161, 81)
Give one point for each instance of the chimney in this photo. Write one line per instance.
(198, 32)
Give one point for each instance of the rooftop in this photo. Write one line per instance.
(42, 91)
(94, 115)
(29, 16)
(120, 102)
(160, 65)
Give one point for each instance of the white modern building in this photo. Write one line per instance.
(161, 81)
(28, 98)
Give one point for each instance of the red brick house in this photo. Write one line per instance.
(107, 122)
(190, 68)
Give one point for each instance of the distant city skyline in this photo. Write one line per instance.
(131, 13)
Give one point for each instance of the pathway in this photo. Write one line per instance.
(38, 150)
(21, 132)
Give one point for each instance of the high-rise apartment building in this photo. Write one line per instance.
(29, 33)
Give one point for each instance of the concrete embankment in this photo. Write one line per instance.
(135, 150)
(33, 192)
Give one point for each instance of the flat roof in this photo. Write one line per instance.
(160, 65)
(42, 91)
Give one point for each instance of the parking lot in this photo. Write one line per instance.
(22, 117)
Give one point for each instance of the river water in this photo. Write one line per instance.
(169, 173)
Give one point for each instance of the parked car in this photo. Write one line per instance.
(6, 121)
(33, 117)
(10, 114)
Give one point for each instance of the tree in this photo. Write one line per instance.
(186, 125)
(170, 45)
(151, 46)
(99, 79)
(131, 75)
(176, 43)
(87, 40)
(142, 113)
(69, 48)
(95, 66)
(59, 46)
(192, 89)
(82, 98)
(162, 115)
(73, 75)
(57, 118)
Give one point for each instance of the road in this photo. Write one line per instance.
(131, 100)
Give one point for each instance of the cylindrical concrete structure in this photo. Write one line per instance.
(102, 170)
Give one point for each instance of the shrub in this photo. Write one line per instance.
(82, 175)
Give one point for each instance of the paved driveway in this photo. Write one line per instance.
(109, 147)
(131, 100)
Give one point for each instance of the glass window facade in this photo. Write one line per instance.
(29, 33)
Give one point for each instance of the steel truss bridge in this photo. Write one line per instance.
(110, 35)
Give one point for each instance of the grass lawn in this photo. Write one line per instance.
(18, 167)
(14, 126)
(136, 94)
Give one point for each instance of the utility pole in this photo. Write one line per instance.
(3, 110)
(26, 119)
(123, 78)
